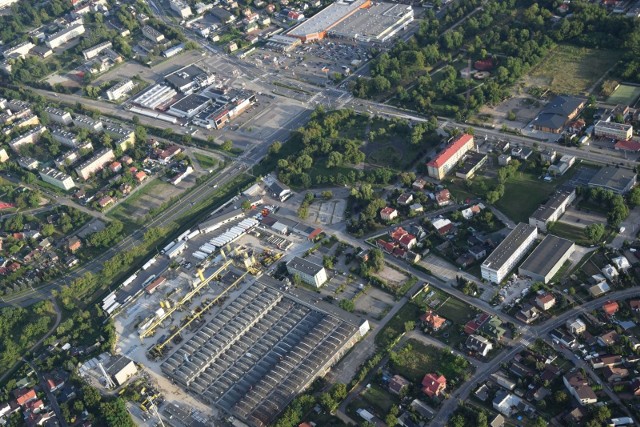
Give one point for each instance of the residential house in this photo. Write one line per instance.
(474, 325)
(610, 308)
(563, 338)
(577, 384)
(416, 208)
(599, 289)
(442, 225)
(443, 197)
(545, 301)
(106, 201)
(503, 380)
(606, 361)
(528, 314)
(419, 184)
(23, 396)
(608, 338)
(478, 252)
(614, 374)
(478, 344)
(432, 320)
(404, 199)
(507, 403)
(74, 244)
(576, 326)
(388, 214)
(469, 212)
(621, 263)
(493, 328)
(610, 272)
(575, 416)
(434, 385)
(397, 384)
(497, 421)
(635, 305)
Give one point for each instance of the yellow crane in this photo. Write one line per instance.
(169, 311)
(197, 315)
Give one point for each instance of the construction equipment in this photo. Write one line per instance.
(149, 331)
(157, 349)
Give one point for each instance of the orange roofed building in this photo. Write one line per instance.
(432, 320)
(434, 385)
(448, 158)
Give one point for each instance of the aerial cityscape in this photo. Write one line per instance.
(310, 213)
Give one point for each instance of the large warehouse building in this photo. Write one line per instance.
(261, 350)
(317, 27)
(379, 22)
(511, 250)
(546, 259)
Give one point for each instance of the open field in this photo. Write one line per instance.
(379, 398)
(572, 70)
(205, 162)
(416, 359)
(395, 327)
(522, 195)
(151, 196)
(568, 231)
(625, 95)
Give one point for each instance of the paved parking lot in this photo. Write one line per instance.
(581, 219)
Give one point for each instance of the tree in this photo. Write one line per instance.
(347, 305)
(634, 197)
(48, 230)
(409, 325)
(335, 159)
(376, 259)
(227, 145)
(246, 205)
(594, 232)
(560, 397)
(275, 147)
(540, 422)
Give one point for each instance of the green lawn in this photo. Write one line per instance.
(380, 399)
(395, 327)
(417, 359)
(569, 232)
(457, 311)
(573, 70)
(129, 210)
(523, 194)
(205, 162)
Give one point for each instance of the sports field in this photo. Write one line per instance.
(625, 95)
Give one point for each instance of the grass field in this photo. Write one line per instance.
(572, 70)
(625, 95)
(380, 399)
(395, 327)
(522, 195)
(132, 208)
(205, 162)
(421, 359)
(570, 232)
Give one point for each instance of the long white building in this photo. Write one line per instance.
(120, 90)
(57, 178)
(508, 253)
(95, 163)
(63, 36)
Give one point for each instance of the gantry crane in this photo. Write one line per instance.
(169, 311)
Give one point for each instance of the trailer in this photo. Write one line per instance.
(112, 308)
(129, 280)
(149, 263)
(176, 250)
(183, 236)
(199, 255)
(149, 280)
(168, 247)
(193, 234)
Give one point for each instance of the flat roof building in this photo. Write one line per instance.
(620, 131)
(378, 22)
(190, 78)
(557, 113)
(309, 272)
(94, 51)
(88, 123)
(448, 158)
(63, 36)
(260, 350)
(283, 43)
(553, 209)
(511, 250)
(120, 89)
(59, 116)
(95, 163)
(57, 178)
(618, 180)
(122, 369)
(152, 34)
(189, 106)
(472, 162)
(317, 27)
(156, 96)
(547, 258)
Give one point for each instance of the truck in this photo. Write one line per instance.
(168, 247)
(149, 263)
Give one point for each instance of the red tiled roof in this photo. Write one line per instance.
(433, 384)
(387, 211)
(398, 233)
(407, 239)
(610, 307)
(629, 145)
(451, 149)
(433, 319)
(23, 396)
(443, 195)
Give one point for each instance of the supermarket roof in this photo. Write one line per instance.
(327, 17)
